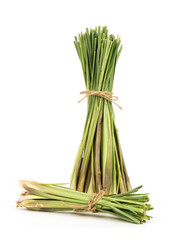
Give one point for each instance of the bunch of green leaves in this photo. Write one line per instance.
(99, 162)
(128, 206)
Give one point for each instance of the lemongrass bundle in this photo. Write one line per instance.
(128, 206)
(99, 162)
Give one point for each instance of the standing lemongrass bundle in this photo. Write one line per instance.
(99, 162)
(128, 206)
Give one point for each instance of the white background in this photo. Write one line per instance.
(41, 122)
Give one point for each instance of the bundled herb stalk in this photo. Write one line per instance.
(99, 176)
(128, 206)
(99, 162)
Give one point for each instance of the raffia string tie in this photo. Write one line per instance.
(93, 200)
(104, 94)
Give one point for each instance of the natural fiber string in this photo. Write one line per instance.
(93, 199)
(104, 94)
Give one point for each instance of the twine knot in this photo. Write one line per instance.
(93, 200)
(104, 94)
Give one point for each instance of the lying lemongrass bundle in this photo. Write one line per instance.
(128, 206)
(99, 162)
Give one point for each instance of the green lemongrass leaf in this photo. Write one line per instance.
(128, 201)
(120, 216)
(127, 193)
(55, 184)
(129, 216)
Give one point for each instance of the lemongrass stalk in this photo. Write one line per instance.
(99, 163)
(43, 197)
